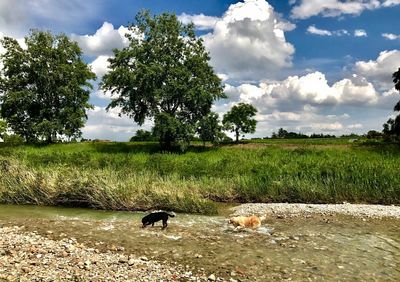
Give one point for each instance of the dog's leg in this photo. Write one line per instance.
(165, 224)
(152, 225)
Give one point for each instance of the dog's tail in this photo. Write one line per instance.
(171, 214)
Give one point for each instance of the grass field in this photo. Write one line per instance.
(137, 176)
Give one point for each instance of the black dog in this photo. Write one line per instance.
(156, 216)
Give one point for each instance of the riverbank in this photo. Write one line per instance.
(27, 256)
(138, 176)
(283, 210)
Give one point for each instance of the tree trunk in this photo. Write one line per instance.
(237, 135)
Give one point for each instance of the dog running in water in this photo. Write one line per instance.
(157, 216)
(247, 221)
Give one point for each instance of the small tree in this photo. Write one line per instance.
(209, 128)
(163, 74)
(142, 135)
(240, 119)
(392, 126)
(3, 128)
(45, 87)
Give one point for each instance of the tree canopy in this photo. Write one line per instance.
(240, 119)
(209, 128)
(164, 75)
(392, 126)
(45, 87)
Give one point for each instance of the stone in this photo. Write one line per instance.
(131, 261)
(212, 277)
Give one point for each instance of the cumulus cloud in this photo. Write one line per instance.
(380, 71)
(390, 36)
(360, 33)
(103, 41)
(248, 41)
(200, 21)
(100, 66)
(104, 124)
(333, 8)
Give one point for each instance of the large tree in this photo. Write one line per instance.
(392, 127)
(240, 119)
(164, 75)
(45, 87)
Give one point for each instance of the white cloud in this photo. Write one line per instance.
(313, 30)
(390, 36)
(18, 16)
(201, 21)
(355, 126)
(360, 33)
(333, 8)
(390, 3)
(103, 41)
(248, 41)
(104, 124)
(380, 71)
(100, 66)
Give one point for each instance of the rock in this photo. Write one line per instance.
(198, 256)
(212, 278)
(131, 261)
(123, 260)
(144, 258)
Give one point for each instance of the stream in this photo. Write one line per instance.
(316, 248)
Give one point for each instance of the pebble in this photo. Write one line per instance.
(212, 277)
(31, 257)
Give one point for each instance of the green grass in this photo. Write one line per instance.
(137, 176)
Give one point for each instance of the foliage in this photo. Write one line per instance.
(143, 135)
(163, 74)
(3, 128)
(138, 176)
(45, 87)
(282, 133)
(240, 119)
(391, 128)
(209, 129)
(373, 134)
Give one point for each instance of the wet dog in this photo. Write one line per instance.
(247, 221)
(156, 216)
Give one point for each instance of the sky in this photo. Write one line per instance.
(308, 66)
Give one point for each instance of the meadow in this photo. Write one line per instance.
(138, 176)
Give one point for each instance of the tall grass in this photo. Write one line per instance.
(137, 176)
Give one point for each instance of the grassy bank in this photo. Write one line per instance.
(136, 176)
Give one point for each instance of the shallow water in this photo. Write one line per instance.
(319, 248)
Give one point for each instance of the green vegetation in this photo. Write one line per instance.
(45, 87)
(240, 119)
(164, 74)
(137, 176)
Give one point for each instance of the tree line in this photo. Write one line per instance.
(162, 75)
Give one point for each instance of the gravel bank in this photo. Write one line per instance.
(292, 210)
(30, 257)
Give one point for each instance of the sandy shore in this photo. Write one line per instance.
(27, 256)
(293, 210)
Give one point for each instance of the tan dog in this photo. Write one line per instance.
(247, 221)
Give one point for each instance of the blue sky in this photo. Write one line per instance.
(307, 65)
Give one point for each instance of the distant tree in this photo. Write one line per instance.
(240, 119)
(373, 134)
(45, 87)
(282, 133)
(3, 128)
(163, 74)
(209, 128)
(143, 135)
(392, 126)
